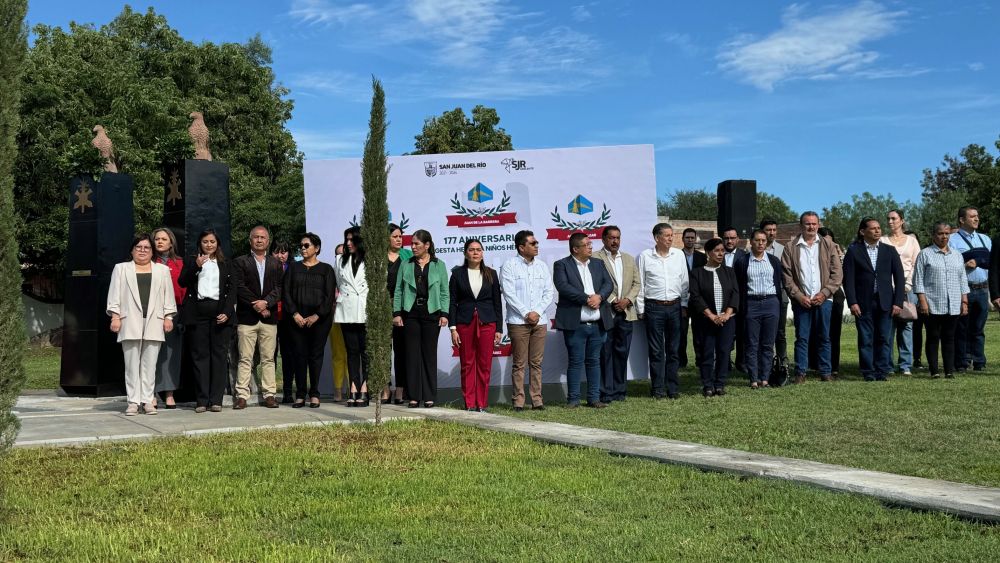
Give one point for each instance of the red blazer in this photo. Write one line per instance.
(175, 265)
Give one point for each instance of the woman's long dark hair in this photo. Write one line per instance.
(483, 268)
(172, 253)
(425, 237)
(219, 256)
(358, 255)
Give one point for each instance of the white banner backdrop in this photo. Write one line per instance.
(491, 196)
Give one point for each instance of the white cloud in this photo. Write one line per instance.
(327, 13)
(696, 142)
(339, 143)
(825, 45)
(976, 67)
(581, 13)
(334, 83)
(681, 41)
(469, 49)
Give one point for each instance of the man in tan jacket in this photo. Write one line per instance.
(625, 275)
(812, 274)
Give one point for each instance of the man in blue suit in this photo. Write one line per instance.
(584, 315)
(874, 284)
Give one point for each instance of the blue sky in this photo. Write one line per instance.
(816, 101)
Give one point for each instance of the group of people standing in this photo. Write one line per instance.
(728, 296)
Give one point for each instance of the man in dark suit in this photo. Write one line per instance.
(584, 315)
(258, 290)
(874, 285)
(625, 277)
(695, 259)
(730, 241)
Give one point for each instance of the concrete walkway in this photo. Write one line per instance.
(49, 420)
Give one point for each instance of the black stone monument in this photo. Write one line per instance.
(101, 227)
(196, 197)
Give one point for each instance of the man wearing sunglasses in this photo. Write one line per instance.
(527, 289)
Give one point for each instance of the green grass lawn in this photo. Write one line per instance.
(941, 429)
(422, 491)
(41, 366)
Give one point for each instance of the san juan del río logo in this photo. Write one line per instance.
(581, 206)
(483, 215)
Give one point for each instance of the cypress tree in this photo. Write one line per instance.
(375, 234)
(13, 46)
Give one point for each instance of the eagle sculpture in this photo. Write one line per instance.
(102, 143)
(199, 136)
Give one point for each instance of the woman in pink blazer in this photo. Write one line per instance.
(141, 306)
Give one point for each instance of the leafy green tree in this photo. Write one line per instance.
(374, 210)
(453, 131)
(973, 178)
(773, 207)
(843, 218)
(691, 205)
(13, 46)
(703, 205)
(140, 79)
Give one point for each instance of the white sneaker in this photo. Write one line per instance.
(150, 409)
(907, 372)
(132, 410)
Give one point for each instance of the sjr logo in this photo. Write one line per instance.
(511, 164)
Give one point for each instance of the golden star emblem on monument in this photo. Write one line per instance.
(174, 184)
(83, 197)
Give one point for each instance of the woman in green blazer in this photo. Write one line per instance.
(420, 304)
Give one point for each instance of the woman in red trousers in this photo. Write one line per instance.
(475, 322)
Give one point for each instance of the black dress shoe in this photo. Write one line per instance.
(707, 392)
(538, 407)
(298, 404)
(720, 391)
(412, 405)
(518, 409)
(598, 405)
(673, 396)
(397, 401)
(572, 405)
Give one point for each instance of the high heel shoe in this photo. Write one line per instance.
(352, 399)
(364, 401)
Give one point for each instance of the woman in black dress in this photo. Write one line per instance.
(308, 290)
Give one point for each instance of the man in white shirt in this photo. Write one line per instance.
(812, 273)
(527, 290)
(625, 275)
(584, 315)
(662, 304)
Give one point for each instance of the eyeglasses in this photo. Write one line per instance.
(532, 243)
(143, 249)
(305, 245)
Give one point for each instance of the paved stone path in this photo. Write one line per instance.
(49, 420)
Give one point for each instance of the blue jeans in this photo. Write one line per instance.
(663, 327)
(970, 337)
(761, 331)
(903, 335)
(874, 345)
(807, 321)
(583, 348)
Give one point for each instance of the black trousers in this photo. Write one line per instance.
(399, 356)
(209, 345)
(941, 329)
(614, 360)
(918, 340)
(310, 344)
(421, 331)
(355, 338)
(286, 349)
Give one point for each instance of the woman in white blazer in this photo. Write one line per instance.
(350, 313)
(141, 306)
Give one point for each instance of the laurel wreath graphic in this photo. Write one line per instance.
(482, 212)
(582, 225)
(403, 222)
